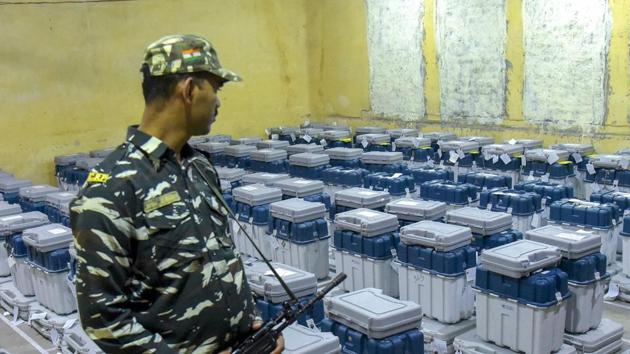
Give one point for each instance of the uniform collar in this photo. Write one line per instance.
(153, 147)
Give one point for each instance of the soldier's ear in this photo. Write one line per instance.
(187, 87)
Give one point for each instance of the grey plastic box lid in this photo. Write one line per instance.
(382, 157)
(463, 145)
(610, 161)
(256, 194)
(445, 331)
(416, 210)
(89, 163)
(269, 155)
(10, 185)
(374, 139)
(583, 149)
(5, 175)
(38, 192)
(69, 160)
(439, 136)
(273, 144)
(212, 147)
(59, 198)
(607, 333)
(284, 130)
(341, 153)
(369, 130)
(526, 143)
(334, 135)
(403, 132)
(544, 154)
(268, 179)
(7, 209)
(374, 314)
(368, 223)
(299, 187)
(196, 140)
(574, 242)
(250, 140)
(500, 149)
(307, 159)
(470, 343)
(520, 258)
(442, 237)
(220, 138)
(101, 153)
(480, 221)
(412, 142)
(239, 150)
(264, 283)
(362, 198)
(230, 174)
(301, 148)
(303, 340)
(623, 152)
(481, 140)
(19, 222)
(312, 132)
(297, 210)
(48, 238)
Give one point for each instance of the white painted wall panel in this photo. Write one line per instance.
(395, 57)
(566, 45)
(471, 38)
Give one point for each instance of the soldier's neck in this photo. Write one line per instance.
(166, 125)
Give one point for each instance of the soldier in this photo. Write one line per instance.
(156, 268)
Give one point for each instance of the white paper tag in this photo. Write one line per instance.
(439, 346)
(58, 231)
(54, 336)
(364, 143)
(36, 316)
(590, 169)
(577, 157)
(506, 158)
(267, 132)
(512, 142)
(545, 177)
(471, 274)
(552, 158)
(416, 143)
(69, 323)
(323, 142)
(624, 163)
(597, 276)
(536, 220)
(558, 296)
(275, 136)
(396, 175)
(439, 153)
(310, 323)
(613, 292)
(292, 137)
(394, 252)
(523, 161)
(16, 314)
(453, 156)
(307, 138)
(394, 146)
(11, 262)
(461, 154)
(495, 158)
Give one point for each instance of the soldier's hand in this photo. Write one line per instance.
(279, 342)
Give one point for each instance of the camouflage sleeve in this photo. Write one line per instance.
(103, 231)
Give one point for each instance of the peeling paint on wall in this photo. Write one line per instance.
(471, 38)
(566, 46)
(396, 64)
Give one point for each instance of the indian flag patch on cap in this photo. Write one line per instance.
(191, 54)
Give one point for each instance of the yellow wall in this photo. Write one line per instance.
(70, 79)
(348, 47)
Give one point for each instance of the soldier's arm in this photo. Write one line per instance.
(103, 231)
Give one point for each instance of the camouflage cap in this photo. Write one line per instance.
(187, 53)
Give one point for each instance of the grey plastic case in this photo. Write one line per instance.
(439, 136)
(500, 149)
(543, 154)
(435, 331)
(480, 221)
(416, 210)
(369, 130)
(297, 210)
(269, 155)
(212, 147)
(574, 242)
(307, 159)
(196, 140)
(608, 335)
(230, 174)
(60, 198)
(527, 143)
(382, 157)
(239, 150)
(362, 198)
(273, 144)
(412, 142)
(68, 160)
(299, 187)
(344, 153)
(442, 237)
(256, 194)
(11, 185)
(101, 153)
(265, 178)
(470, 343)
(463, 145)
(481, 140)
(302, 148)
(303, 340)
(251, 140)
(7, 209)
(334, 135)
(404, 132)
(582, 149)
(520, 258)
(38, 192)
(374, 139)
(89, 163)
(19, 222)
(264, 283)
(312, 132)
(610, 161)
(284, 130)
(368, 223)
(374, 314)
(623, 152)
(220, 138)
(48, 238)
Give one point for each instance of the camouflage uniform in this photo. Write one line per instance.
(156, 268)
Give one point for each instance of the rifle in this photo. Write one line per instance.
(264, 340)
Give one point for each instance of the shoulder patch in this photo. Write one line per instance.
(97, 177)
(160, 201)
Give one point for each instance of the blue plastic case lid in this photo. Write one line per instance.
(515, 202)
